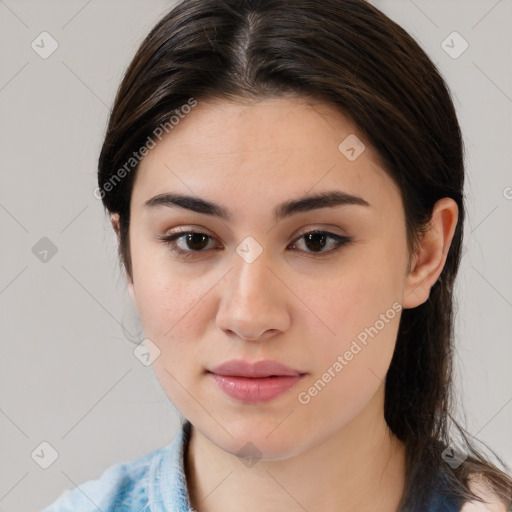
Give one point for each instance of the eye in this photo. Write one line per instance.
(192, 239)
(318, 240)
(194, 242)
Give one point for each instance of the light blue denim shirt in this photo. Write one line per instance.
(156, 482)
(153, 483)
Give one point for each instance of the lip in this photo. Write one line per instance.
(255, 382)
(258, 369)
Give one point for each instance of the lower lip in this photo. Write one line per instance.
(252, 390)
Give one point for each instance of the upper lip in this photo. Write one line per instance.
(264, 368)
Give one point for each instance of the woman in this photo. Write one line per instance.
(286, 183)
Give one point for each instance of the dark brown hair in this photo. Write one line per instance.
(349, 54)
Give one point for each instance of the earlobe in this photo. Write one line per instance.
(430, 258)
(131, 290)
(114, 220)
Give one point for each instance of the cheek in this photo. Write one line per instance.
(165, 293)
(170, 303)
(173, 312)
(360, 311)
(349, 366)
(354, 297)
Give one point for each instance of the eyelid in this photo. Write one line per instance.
(318, 229)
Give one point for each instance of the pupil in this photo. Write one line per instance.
(193, 238)
(312, 236)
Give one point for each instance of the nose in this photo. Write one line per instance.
(254, 301)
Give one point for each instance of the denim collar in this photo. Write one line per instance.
(167, 485)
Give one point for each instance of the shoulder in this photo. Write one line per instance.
(121, 488)
(482, 488)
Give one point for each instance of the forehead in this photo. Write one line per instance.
(277, 148)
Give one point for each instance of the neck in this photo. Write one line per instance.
(359, 467)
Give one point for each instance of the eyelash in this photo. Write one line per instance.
(170, 240)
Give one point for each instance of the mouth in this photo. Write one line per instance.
(255, 382)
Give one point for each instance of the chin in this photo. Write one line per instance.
(263, 442)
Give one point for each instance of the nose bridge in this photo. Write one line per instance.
(251, 275)
(249, 306)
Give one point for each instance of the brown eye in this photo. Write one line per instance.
(193, 242)
(316, 241)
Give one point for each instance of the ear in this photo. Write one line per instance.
(430, 257)
(114, 220)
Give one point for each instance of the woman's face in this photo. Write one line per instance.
(254, 287)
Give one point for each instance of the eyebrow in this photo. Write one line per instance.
(328, 199)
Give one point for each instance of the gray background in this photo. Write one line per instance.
(68, 375)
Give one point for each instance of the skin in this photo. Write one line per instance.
(297, 306)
